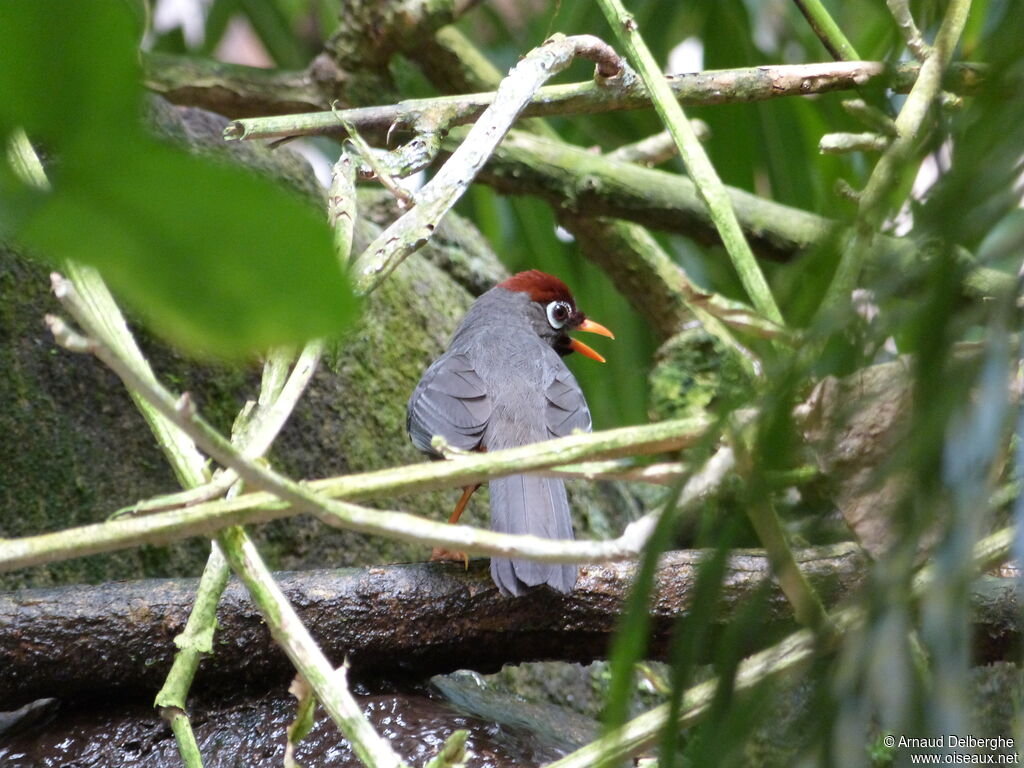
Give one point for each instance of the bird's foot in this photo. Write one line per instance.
(449, 555)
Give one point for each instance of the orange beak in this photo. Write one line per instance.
(578, 346)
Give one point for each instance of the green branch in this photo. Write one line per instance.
(808, 608)
(288, 631)
(709, 186)
(253, 434)
(205, 519)
(723, 86)
(827, 30)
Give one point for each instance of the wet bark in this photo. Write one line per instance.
(397, 621)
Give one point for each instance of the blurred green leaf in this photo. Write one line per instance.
(71, 81)
(219, 260)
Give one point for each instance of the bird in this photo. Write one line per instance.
(502, 383)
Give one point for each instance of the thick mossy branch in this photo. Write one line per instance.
(583, 183)
(372, 32)
(460, 621)
(235, 90)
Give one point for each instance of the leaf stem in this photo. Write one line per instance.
(827, 30)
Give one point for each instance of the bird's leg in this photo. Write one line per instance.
(447, 554)
(467, 492)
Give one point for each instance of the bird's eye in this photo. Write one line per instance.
(558, 313)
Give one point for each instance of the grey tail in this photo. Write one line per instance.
(538, 506)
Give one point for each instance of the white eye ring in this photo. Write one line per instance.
(558, 313)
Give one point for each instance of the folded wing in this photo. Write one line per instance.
(450, 401)
(566, 411)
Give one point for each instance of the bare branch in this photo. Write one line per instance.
(724, 86)
(412, 230)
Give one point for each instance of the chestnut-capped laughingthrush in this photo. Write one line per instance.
(502, 384)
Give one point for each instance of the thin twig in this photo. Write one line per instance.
(330, 685)
(261, 430)
(622, 470)
(653, 150)
(808, 608)
(196, 639)
(369, 157)
(874, 118)
(900, 11)
(342, 206)
(204, 519)
(871, 205)
(842, 143)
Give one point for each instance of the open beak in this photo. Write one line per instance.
(578, 346)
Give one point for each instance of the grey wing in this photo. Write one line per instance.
(451, 401)
(566, 410)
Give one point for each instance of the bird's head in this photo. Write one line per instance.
(553, 312)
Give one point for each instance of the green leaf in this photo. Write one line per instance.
(69, 70)
(218, 260)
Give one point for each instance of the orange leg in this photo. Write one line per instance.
(447, 554)
(467, 493)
